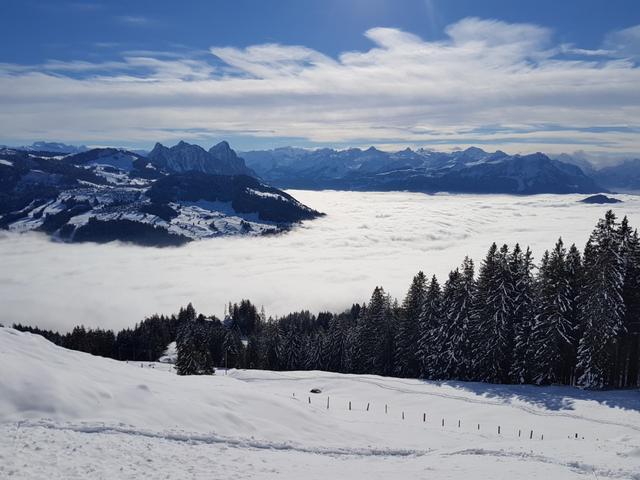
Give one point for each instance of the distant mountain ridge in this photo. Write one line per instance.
(472, 171)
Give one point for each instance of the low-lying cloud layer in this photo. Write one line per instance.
(487, 82)
(366, 239)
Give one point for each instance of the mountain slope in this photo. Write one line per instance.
(66, 414)
(108, 194)
(625, 176)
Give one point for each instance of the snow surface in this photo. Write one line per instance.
(68, 415)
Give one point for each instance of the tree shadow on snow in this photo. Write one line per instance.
(556, 398)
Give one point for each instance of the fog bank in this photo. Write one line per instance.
(366, 239)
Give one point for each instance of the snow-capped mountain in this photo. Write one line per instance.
(111, 194)
(52, 147)
(624, 176)
(472, 170)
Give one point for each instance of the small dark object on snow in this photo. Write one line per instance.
(315, 390)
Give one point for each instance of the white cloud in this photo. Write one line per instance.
(625, 43)
(488, 81)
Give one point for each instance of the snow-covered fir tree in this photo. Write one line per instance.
(553, 331)
(192, 344)
(491, 327)
(428, 326)
(375, 335)
(602, 304)
(406, 361)
(524, 289)
(628, 353)
(453, 343)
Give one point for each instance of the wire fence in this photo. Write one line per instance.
(427, 419)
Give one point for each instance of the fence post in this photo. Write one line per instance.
(498, 429)
(349, 404)
(458, 423)
(542, 437)
(443, 422)
(327, 403)
(385, 408)
(403, 415)
(367, 406)
(424, 417)
(309, 399)
(531, 435)
(478, 426)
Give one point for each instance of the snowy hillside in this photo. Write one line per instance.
(66, 414)
(106, 194)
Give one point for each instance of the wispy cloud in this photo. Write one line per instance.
(488, 82)
(135, 20)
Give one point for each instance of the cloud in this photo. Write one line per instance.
(366, 239)
(625, 43)
(134, 20)
(487, 81)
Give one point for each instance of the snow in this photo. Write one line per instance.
(170, 354)
(6, 162)
(259, 193)
(66, 414)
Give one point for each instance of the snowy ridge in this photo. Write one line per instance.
(107, 194)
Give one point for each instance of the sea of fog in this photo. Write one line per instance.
(366, 239)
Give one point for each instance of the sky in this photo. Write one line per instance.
(520, 76)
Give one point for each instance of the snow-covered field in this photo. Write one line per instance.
(366, 239)
(68, 415)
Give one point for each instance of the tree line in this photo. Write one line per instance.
(574, 319)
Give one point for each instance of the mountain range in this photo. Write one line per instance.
(472, 170)
(172, 196)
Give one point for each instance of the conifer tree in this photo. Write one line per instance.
(628, 358)
(491, 328)
(192, 344)
(429, 325)
(553, 330)
(375, 335)
(602, 305)
(406, 361)
(524, 291)
(453, 338)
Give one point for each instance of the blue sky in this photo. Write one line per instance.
(522, 76)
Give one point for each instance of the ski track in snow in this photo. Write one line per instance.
(186, 437)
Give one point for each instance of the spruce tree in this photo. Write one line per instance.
(553, 330)
(429, 325)
(192, 344)
(491, 327)
(374, 354)
(602, 305)
(406, 361)
(453, 343)
(628, 361)
(524, 291)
